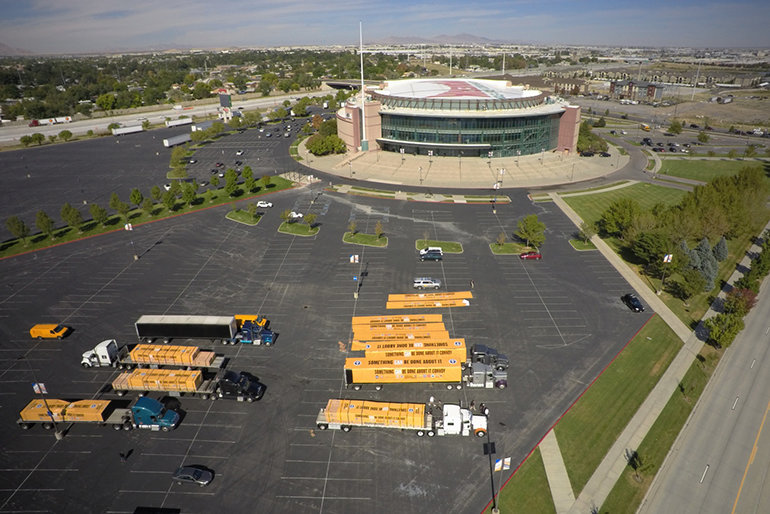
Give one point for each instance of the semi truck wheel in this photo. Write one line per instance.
(378, 387)
(481, 433)
(356, 387)
(323, 426)
(346, 428)
(249, 399)
(127, 426)
(420, 433)
(86, 364)
(25, 426)
(165, 428)
(431, 433)
(449, 386)
(501, 385)
(117, 426)
(48, 426)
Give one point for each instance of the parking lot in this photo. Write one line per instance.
(560, 321)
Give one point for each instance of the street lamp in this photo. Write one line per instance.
(489, 449)
(350, 167)
(542, 156)
(419, 171)
(518, 154)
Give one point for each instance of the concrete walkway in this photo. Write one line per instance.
(556, 472)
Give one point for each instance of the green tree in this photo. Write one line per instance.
(189, 194)
(691, 283)
(378, 230)
(252, 209)
(285, 215)
(18, 228)
(352, 226)
(732, 154)
(136, 197)
(156, 193)
(26, 140)
(146, 124)
(106, 102)
(65, 135)
(650, 247)
(38, 138)
(310, 218)
(248, 184)
(247, 172)
(52, 138)
(169, 200)
(740, 301)
(44, 223)
(750, 151)
(201, 90)
(266, 181)
(123, 209)
(98, 213)
(703, 137)
(71, 216)
(215, 181)
(147, 205)
(587, 231)
(114, 201)
(720, 249)
(723, 328)
(531, 230)
(501, 238)
(675, 127)
(619, 216)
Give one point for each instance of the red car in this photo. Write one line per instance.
(531, 255)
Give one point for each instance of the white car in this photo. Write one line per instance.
(264, 205)
(167, 187)
(295, 215)
(239, 152)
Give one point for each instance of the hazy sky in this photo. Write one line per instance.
(62, 26)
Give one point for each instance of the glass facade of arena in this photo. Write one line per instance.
(469, 137)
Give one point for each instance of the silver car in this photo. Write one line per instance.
(193, 475)
(426, 283)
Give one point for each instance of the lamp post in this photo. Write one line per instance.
(419, 172)
(518, 154)
(489, 449)
(350, 167)
(542, 156)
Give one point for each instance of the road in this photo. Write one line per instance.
(720, 462)
(13, 133)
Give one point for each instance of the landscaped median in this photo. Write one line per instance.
(136, 217)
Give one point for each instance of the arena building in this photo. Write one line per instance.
(458, 117)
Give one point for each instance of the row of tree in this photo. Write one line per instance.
(740, 299)
(727, 207)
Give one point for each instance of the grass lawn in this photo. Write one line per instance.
(244, 217)
(707, 170)
(298, 229)
(365, 239)
(591, 207)
(631, 487)
(137, 217)
(586, 432)
(446, 246)
(580, 245)
(508, 248)
(527, 490)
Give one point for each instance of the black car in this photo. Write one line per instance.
(605, 154)
(431, 256)
(586, 154)
(632, 302)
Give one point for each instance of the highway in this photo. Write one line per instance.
(12, 133)
(720, 462)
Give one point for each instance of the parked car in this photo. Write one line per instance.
(586, 154)
(531, 256)
(238, 163)
(426, 283)
(193, 475)
(167, 187)
(431, 256)
(192, 161)
(632, 302)
(605, 154)
(219, 164)
(239, 152)
(48, 331)
(295, 215)
(264, 205)
(427, 249)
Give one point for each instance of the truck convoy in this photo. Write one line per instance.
(145, 413)
(225, 384)
(245, 329)
(454, 420)
(108, 353)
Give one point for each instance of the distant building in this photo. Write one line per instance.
(459, 117)
(636, 90)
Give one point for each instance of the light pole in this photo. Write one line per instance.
(572, 175)
(489, 449)
(350, 167)
(542, 156)
(419, 171)
(518, 154)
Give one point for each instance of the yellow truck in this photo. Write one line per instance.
(343, 415)
(404, 370)
(108, 353)
(178, 382)
(48, 331)
(406, 344)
